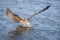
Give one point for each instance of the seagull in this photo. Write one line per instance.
(19, 19)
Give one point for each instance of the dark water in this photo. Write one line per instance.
(45, 26)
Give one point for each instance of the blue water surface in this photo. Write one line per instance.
(46, 26)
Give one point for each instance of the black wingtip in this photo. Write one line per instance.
(48, 6)
(45, 8)
(8, 10)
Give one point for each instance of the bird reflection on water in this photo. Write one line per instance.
(19, 31)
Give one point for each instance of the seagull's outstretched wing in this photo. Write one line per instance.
(38, 12)
(13, 16)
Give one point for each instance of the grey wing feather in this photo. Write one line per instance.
(38, 12)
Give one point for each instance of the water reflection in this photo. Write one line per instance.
(19, 31)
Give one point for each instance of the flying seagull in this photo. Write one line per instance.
(18, 19)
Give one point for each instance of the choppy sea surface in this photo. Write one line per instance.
(45, 26)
